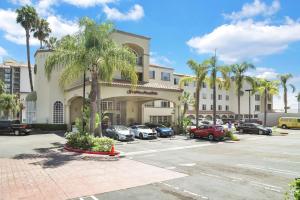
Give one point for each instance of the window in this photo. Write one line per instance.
(160, 119)
(257, 107)
(219, 97)
(227, 108)
(255, 116)
(204, 96)
(211, 107)
(203, 85)
(227, 97)
(165, 104)
(203, 107)
(152, 74)
(257, 97)
(58, 113)
(220, 87)
(269, 107)
(219, 107)
(140, 76)
(139, 60)
(149, 104)
(118, 106)
(107, 105)
(176, 81)
(165, 76)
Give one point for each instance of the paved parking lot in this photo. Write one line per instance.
(257, 167)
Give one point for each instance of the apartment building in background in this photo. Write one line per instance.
(16, 80)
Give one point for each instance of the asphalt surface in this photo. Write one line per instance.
(256, 167)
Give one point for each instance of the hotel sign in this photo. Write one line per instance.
(141, 92)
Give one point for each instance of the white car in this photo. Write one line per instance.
(143, 132)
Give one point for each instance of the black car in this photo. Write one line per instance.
(14, 126)
(253, 128)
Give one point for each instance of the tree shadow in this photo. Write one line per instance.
(56, 156)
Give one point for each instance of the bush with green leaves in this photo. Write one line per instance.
(232, 137)
(89, 142)
(294, 192)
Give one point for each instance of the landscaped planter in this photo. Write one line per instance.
(111, 153)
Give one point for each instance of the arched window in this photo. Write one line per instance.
(58, 113)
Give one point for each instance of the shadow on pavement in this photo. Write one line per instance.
(55, 156)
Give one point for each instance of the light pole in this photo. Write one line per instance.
(249, 91)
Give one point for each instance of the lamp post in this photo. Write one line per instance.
(249, 91)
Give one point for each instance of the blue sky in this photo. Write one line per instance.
(264, 32)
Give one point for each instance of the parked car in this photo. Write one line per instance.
(119, 132)
(289, 122)
(162, 131)
(256, 121)
(253, 128)
(14, 126)
(143, 132)
(208, 131)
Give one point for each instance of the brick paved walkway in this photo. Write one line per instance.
(66, 175)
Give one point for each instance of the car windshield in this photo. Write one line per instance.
(142, 127)
(121, 128)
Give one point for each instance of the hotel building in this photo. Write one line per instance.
(156, 98)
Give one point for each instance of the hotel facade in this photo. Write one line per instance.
(156, 98)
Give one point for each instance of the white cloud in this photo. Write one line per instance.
(134, 14)
(156, 59)
(15, 33)
(21, 2)
(247, 40)
(88, 3)
(3, 52)
(256, 8)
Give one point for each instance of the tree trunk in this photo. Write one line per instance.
(93, 99)
(239, 104)
(197, 103)
(285, 99)
(214, 96)
(41, 44)
(28, 59)
(99, 111)
(265, 111)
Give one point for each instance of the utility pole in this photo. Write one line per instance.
(214, 74)
(249, 91)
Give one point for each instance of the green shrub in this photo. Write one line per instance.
(89, 142)
(50, 127)
(232, 137)
(294, 192)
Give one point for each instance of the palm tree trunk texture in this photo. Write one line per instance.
(285, 100)
(41, 44)
(28, 59)
(265, 110)
(214, 97)
(93, 99)
(99, 111)
(239, 105)
(197, 103)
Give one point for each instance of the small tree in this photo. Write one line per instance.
(41, 31)
(9, 105)
(2, 87)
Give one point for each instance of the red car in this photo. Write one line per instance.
(208, 131)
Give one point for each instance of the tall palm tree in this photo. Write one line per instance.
(41, 30)
(186, 99)
(265, 88)
(284, 78)
(93, 50)
(27, 16)
(51, 42)
(2, 87)
(8, 103)
(298, 99)
(239, 77)
(224, 81)
(200, 70)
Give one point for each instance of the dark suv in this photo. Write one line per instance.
(254, 128)
(13, 126)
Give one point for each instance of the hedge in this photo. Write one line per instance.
(50, 127)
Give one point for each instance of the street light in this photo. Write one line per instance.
(249, 91)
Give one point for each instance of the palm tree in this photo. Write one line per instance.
(239, 77)
(284, 78)
(8, 103)
(41, 30)
(2, 87)
(298, 99)
(186, 99)
(92, 50)
(200, 70)
(27, 16)
(265, 88)
(224, 81)
(51, 42)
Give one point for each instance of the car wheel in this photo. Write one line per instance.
(192, 135)
(141, 136)
(284, 126)
(16, 132)
(260, 132)
(210, 137)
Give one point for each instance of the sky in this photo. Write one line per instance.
(265, 33)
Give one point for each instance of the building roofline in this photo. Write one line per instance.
(42, 50)
(132, 34)
(158, 66)
(178, 74)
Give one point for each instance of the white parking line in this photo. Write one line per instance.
(187, 164)
(256, 138)
(269, 169)
(167, 149)
(185, 191)
(93, 197)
